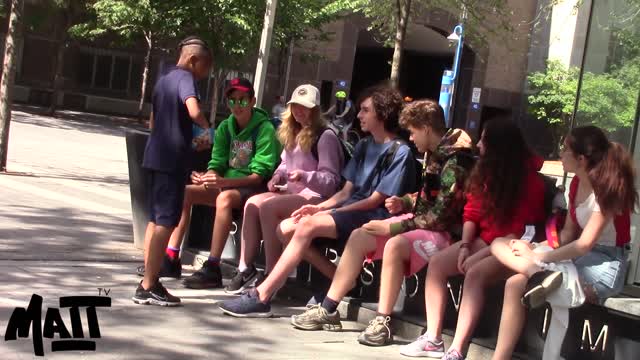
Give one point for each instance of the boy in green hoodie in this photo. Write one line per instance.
(245, 153)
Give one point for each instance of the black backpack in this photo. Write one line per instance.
(347, 149)
(385, 160)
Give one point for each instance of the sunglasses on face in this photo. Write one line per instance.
(239, 102)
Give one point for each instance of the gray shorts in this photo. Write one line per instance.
(603, 269)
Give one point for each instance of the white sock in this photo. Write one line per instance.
(242, 266)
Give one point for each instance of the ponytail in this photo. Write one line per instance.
(613, 180)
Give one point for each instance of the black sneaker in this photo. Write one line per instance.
(170, 268)
(247, 306)
(208, 277)
(260, 278)
(539, 286)
(157, 295)
(242, 280)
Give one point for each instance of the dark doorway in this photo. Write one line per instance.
(420, 75)
(326, 88)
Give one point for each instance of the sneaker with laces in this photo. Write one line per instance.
(156, 295)
(242, 280)
(248, 305)
(208, 277)
(453, 355)
(539, 286)
(424, 347)
(378, 333)
(316, 318)
(170, 268)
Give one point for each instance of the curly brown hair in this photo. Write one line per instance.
(422, 113)
(387, 104)
(499, 177)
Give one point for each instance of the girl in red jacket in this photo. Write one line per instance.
(504, 194)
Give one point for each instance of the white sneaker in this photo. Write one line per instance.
(424, 347)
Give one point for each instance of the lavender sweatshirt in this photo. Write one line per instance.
(322, 176)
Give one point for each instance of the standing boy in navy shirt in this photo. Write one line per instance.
(166, 157)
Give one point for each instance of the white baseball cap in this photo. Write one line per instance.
(306, 95)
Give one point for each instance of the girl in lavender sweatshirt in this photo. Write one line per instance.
(309, 173)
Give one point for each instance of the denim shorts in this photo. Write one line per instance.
(603, 269)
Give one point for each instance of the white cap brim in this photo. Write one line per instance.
(307, 104)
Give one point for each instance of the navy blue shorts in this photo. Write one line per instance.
(347, 221)
(166, 197)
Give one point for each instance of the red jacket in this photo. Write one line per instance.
(530, 209)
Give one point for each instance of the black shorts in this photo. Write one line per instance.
(347, 221)
(166, 197)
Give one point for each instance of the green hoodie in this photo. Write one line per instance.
(235, 155)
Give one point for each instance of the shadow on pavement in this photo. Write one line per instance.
(64, 233)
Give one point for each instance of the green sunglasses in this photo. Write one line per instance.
(241, 102)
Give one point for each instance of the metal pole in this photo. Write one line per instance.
(286, 77)
(456, 70)
(634, 131)
(579, 87)
(263, 54)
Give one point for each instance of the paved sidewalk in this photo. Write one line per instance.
(65, 230)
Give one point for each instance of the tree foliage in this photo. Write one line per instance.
(607, 100)
(132, 20)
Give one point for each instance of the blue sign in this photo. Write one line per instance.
(342, 83)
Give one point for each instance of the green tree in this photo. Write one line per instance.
(607, 100)
(232, 29)
(132, 21)
(552, 99)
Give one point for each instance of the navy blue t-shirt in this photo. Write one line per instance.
(169, 144)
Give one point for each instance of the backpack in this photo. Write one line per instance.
(347, 149)
(385, 160)
(550, 192)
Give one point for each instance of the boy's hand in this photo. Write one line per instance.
(196, 178)
(306, 210)
(393, 205)
(213, 180)
(377, 228)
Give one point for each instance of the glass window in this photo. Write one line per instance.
(103, 71)
(120, 73)
(611, 77)
(84, 69)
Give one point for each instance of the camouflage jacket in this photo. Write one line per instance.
(439, 204)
